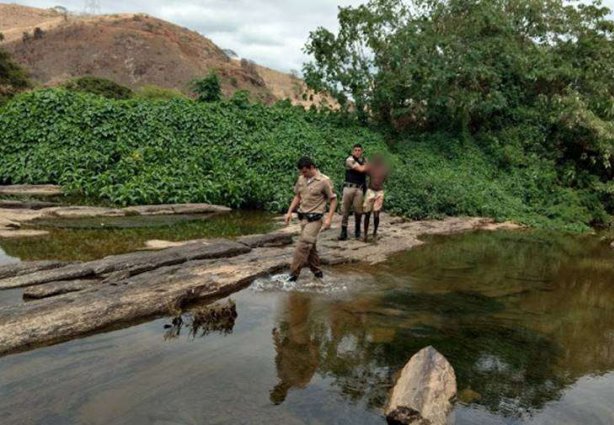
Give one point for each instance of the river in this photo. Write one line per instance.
(526, 319)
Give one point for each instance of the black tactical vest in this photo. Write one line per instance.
(356, 177)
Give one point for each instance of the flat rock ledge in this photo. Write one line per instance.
(14, 213)
(75, 299)
(31, 190)
(424, 392)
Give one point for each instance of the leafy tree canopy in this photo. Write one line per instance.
(481, 68)
(208, 89)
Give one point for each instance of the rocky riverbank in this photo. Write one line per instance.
(15, 213)
(74, 299)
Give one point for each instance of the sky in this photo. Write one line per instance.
(270, 32)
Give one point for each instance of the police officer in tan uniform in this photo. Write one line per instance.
(312, 191)
(353, 190)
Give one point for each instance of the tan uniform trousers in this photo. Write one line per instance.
(305, 252)
(352, 198)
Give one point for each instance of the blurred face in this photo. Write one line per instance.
(308, 172)
(357, 152)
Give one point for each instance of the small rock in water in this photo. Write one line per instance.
(469, 396)
(424, 392)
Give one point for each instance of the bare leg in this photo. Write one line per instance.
(375, 222)
(367, 219)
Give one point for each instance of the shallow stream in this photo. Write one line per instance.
(525, 318)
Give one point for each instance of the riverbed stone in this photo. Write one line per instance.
(271, 239)
(129, 264)
(57, 288)
(27, 267)
(31, 190)
(82, 211)
(143, 284)
(146, 295)
(424, 392)
(72, 271)
(27, 205)
(175, 209)
(12, 217)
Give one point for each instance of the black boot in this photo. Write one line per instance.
(357, 219)
(344, 234)
(319, 275)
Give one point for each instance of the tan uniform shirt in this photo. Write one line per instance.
(314, 193)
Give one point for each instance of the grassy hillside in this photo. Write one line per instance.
(141, 151)
(139, 50)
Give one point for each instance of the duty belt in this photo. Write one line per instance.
(310, 216)
(346, 184)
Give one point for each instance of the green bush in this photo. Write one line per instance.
(208, 89)
(100, 86)
(244, 155)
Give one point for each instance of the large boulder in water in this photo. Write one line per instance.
(424, 391)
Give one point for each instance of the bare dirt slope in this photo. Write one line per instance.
(133, 50)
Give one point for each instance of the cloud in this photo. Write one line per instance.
(270, 32)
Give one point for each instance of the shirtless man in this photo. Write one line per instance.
(374, 199)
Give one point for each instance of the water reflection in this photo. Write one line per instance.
(520, 317)
(85, 239)
(297, 347)
(526, 319)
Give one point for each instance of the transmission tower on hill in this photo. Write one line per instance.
(92, 7)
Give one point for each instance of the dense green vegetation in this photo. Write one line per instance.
(497, 108)
(527, 85)
(244, 155)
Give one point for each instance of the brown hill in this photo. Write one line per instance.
(133, 50)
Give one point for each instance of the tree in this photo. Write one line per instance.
(534, 75)
(459, 63)
(207, 89)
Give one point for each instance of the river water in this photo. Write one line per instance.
(525, 318)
